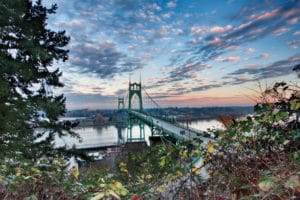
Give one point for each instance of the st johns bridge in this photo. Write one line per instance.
(162, 124)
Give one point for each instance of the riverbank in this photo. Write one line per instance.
(109, 158)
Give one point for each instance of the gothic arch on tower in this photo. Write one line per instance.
(135, 88)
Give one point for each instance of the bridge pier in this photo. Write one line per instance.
(130, 137)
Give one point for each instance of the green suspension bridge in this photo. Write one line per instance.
(161, 125)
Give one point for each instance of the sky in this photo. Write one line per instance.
(187, 52)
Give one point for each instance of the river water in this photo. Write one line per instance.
(111, 135)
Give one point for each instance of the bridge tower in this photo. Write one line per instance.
(135, 88)
(121, 104)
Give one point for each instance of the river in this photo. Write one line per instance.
(111, 135)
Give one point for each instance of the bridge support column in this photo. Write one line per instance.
(130, 136)
(142, 131)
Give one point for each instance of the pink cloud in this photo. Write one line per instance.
(269, 15)
(280, 31)
(220, 29)
(232, 58)
(195, 30)
(250, 50)
(215, 41)
(293, 20)
(252, 65)
(265, 55)
(296, 33)
(228, 59)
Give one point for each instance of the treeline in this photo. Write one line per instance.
(180, 113)
(203, 113)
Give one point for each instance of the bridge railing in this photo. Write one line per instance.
(149, 119)
(189, 128)
(198, 132)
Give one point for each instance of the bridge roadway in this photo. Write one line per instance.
(175, 130)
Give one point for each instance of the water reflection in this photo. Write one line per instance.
(116, 135)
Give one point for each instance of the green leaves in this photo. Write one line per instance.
(266, 183)
(296, 156)
(162, 162)
(113, 189)
(293, 182)
(295, 104)
(31, 197)
(281, 115)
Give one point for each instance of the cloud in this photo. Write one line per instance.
(166, 15)
(228, 59)
(178, 31)
(293, 20)
(296, 33)
(77, 97)
(250, 50)
(232, 58)
(279, 68)
(171, 4)
(268, 22)
(97, 89)
(280, 31)
(294, 44)
(265, 55)
(214, 41)
(102, 59)
(116, 19)
(196, 30)
(207, 87)
(252, 73)
(239, 80)
(121, 92)
(186, 71)
(73, 23)
(252, 65)
(80, 100)
(220, 29)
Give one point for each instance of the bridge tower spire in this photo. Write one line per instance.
(135, 88)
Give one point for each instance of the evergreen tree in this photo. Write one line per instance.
(29, 110)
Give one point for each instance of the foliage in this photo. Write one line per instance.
(258, 157)
(40, 181)
(163, 172)
(29, 110)
(30, 163)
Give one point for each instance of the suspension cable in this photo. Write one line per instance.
(152, 99)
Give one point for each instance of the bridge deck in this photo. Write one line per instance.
(177, 131)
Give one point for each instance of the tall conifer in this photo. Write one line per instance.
(29, 110)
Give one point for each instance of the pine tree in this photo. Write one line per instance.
(29, 111)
